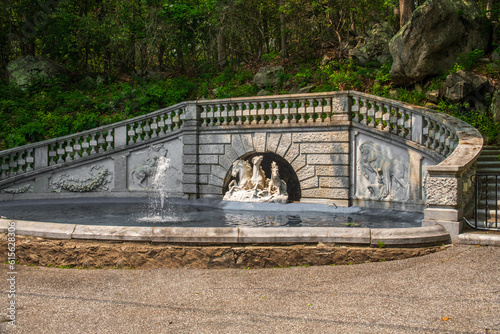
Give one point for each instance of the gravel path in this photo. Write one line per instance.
(453, 291)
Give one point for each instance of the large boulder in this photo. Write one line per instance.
(374, 46)
(436, 34)
(464, 86)
(23, 71)
(269, 76)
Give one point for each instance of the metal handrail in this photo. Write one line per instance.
(477, 180)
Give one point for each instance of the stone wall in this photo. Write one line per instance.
(140, 255)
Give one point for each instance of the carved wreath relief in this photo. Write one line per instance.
(97, 180)
(251, 184)
(25, 188)
(382, 178)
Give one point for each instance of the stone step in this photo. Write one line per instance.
(489, 164)
(491, 148)
(482, 223)
(489, 155)
(490, 214)
(491, 203)
(487, 170)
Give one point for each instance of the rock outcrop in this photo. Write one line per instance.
(268, 76)
(464, 86)
(436, 34)
(23, 71)
(374, 46)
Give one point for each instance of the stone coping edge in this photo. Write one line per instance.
(391, 237)
(480, 239)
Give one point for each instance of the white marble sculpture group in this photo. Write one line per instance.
(251, 184)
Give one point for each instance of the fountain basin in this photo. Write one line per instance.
(374, 230)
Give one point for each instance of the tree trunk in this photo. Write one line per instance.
(406, 8)
(221, 50)
(284, 52)
(491, 5)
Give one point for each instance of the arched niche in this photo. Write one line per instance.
(286, 171)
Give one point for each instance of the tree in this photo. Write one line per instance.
(406, 8)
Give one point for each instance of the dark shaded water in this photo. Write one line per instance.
(179, 213)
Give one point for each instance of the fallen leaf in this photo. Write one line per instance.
(446, 318)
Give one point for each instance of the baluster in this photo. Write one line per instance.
(216, 115)
(13, 164)
(52, 154)
(408, 125)
(223, 114)
(363, 111)
(154, 127)
(130, 134)
(77, 148)
(275, 113)
(146, 129)
(30, 160)
(93, 144)
(302, 111)
(239, 114)
(262, 112)
(204, 115)
(371, 113)
(68, 150)
(100, 141)
(354, 108)
(379, 115)
(246, 113)
(310, 111)
(21, 163)
(231, 113)
(253, 113)
(285, 112)
(110, 139)
(60, 152)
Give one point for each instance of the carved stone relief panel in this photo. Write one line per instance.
(18, 188)
(382, 171)
(91, 178)
(143, 164)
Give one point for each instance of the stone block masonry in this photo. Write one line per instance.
(320, 159)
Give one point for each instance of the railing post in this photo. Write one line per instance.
(417, 128)
(41, 157)
(120, 136)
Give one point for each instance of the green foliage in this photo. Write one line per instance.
(477, 118)
(467, 61)
(380, 244)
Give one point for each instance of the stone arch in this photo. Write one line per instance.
(287, 173)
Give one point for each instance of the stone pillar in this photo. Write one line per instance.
(445, 205)
(120, 174)
(190, 150)
(415, 176)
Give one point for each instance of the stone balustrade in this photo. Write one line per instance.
(35, 157)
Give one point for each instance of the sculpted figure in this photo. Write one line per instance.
(276, 185)
(141, 173)
(241, 169)
(258, 180)
(251, 184)
(381, 171)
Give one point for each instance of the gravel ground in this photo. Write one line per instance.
(453, 291)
